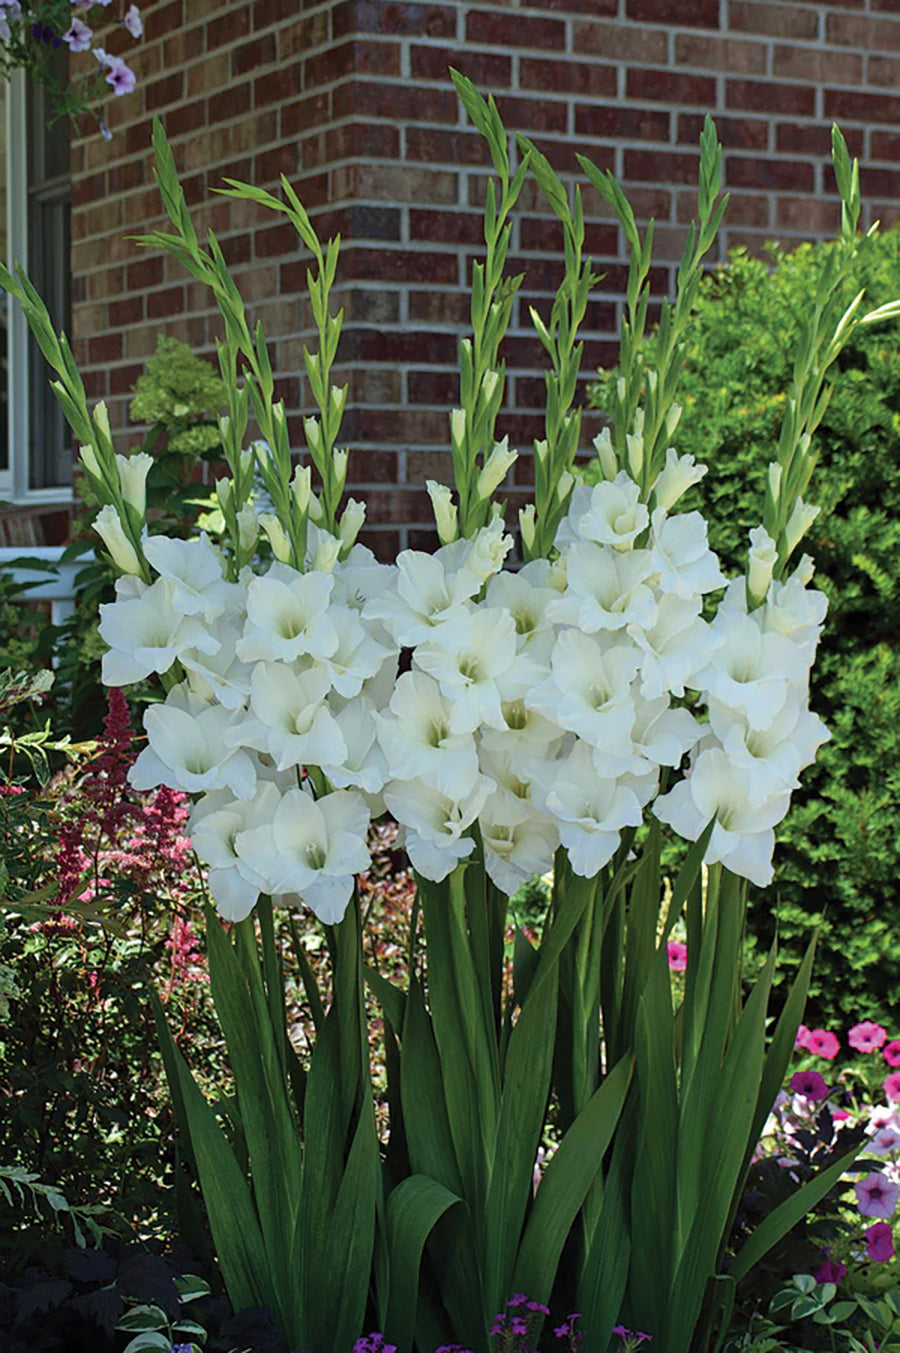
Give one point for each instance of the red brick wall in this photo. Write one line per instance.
(351, 100)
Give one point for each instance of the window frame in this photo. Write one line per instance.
(15, 480)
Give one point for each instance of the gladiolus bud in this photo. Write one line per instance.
(339, 461)
(495, 469)
(458, 428)
(248, 528)
(224, 491)
(565, 486)
(327, 552)
(351, 523)
(133, 472)
(301, 487)
(761, 563)
(278, 539)
(90, 462)
(635, 443)
(109, 528)
(604, 448)
(446, 515)
(527, 525)
(775, 473)
(313, 434)
(101, 419)
(799, 522)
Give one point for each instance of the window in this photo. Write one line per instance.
(35, 445)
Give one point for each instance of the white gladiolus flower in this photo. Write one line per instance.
(527, 596)
(215, 823)
(681, 556)
(287, 617)
(110, 529)
(363, 766)
(770, 760)
(467, 658)
(360, 577)
(221, 675)
(417, 740)
(188, 749)
(291, 722)
(146, 632)
(589, 812)
(605, 590)
(680, 474)
(662, 734)
(431, 589)
(742, 839)
(313, 848)
(589, 690)
(357, 655)
(752, 672)
(615, 516)
(796, 611)
(518, 842)
(133, 471)
(674, 648)
(435, 823)
(193, 569)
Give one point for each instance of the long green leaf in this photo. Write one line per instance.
(413, 1208)
(235, 1228)
(564, 1186)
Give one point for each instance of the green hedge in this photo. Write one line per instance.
(839, 851)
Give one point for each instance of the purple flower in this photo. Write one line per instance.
(631, 1339)
(810, 1084)
(121, 77)
(876, 1196)
(880, 1242)
(830, 1272)
(133, 22)
(78, 37)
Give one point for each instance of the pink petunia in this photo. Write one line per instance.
(891, 1087)
(891, 1052)
(867, 1036)
(802, 1039)
(810, 1084)
(839, 1115)
(677, 955)
(830, 1272)
(823, 1043)
(880, 1242)
(876, 1196)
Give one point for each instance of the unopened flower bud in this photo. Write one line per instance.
(489, 385)
(338, 399)
(100, 418)
(301, 488)
(446, 515)
(679, 475)
(339, 458)
(673, 418)
(604, 448)
(458, 428)
(494, 470)
(635, 443)
(351, 523)
(316, 513)
(88, 457)
(224, 491)
(799, 522)
(565, 486)
(542, 449)
(133, 471)
(775, 473)
(248, 528)
(246, 459)
(761, 563)
(110, 529)
(313, 434)
(527, 525)
(327, 552)
(277, 536)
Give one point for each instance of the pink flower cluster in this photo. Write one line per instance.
(865, 1037)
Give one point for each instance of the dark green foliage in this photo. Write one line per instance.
(839, 848)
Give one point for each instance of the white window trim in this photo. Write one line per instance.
(14, 486)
